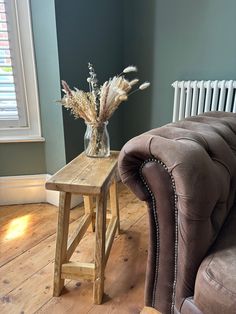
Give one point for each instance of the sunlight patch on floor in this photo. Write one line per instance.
(17, 227)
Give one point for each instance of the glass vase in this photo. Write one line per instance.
(96, 140)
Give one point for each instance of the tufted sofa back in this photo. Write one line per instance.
(186, 172)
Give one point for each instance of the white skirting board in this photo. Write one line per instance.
(30, 189)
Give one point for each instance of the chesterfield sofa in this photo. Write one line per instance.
(186, 173)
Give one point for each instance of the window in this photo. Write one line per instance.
(19, 110)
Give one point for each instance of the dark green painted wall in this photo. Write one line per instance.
(168, 40)
(176, 40)
(92, 31)
(22, 159)
(45, 39)
(139, 43)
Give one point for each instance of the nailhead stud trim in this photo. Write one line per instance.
(154, 209)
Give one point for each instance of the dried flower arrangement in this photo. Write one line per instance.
(97, 106)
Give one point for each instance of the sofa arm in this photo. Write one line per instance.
(186, 172)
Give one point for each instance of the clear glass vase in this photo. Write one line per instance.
(96, 140)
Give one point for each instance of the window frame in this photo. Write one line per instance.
(29, 128)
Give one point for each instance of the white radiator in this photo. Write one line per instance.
(195, 97)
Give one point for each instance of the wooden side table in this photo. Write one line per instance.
(90, 177)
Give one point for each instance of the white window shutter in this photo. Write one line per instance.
(19, 108)
(12, 98)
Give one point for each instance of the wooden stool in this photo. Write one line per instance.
(149, 310)
(90, 177)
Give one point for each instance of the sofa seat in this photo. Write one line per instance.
(215, 286)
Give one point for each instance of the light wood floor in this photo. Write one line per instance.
(27, 245)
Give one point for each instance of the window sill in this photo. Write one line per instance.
(21, 139)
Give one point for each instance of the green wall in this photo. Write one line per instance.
(92, 31)
(168, 40)
(22, 159)
(45, 39)
(177, 40)
(139, 40)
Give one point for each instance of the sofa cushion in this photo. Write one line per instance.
(189, 307)
(215, 287)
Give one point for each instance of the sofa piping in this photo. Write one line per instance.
(154, 209)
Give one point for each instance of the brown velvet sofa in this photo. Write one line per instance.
(186, 172)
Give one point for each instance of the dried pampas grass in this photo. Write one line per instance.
(99, 104)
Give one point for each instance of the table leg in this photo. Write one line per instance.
(98, 287)
(61, 241)
(115, 204)
(88, 207)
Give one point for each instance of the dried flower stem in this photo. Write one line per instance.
(99, 104)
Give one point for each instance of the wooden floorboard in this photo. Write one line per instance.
(27, 262)
(33, 233)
